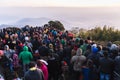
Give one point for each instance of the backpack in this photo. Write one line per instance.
(77, 65)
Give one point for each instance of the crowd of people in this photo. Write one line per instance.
(46, 53)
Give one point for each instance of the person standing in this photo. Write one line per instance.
(8, 53)
(33, 73)
(43, 51)
(25, 57)
(117, 68)
(77, 62)
(42, 64)
(106, 67)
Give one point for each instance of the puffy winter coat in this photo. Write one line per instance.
(78, 60)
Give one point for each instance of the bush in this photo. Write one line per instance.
(117, 42)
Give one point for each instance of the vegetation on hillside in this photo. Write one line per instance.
(101, 34)
(56, 24)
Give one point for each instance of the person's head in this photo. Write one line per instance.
(109, 44)
(1, 53)
(75, 47)
(51, 46)
(94, 50)
(39, 63)
(86, 41)
(16, 35)
(26, 38)
(114, 47)
(105, 54)
(25, 48)
(88, 47)
(6, 47)
(20, 44)
(32, 64)
(15, 47)
(79, 52)
(99, 47)
(61, 46)
(89, 63)
(44, 44)
(81, 42)
(115, 52)
(88, 38)
(105, 48)
(69, 44)
(64, 63)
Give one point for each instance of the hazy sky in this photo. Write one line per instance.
(80, 17)
(63, 3)
(82, 13)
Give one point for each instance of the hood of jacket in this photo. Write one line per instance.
(79, 52)
(25, 48)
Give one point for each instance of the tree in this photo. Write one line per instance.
(102, 34)
(56, 24)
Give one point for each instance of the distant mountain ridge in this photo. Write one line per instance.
(43, 20)
(35, 22)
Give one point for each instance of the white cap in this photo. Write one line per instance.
(26, 38)
(94, 45)
(114, 47)
(44, 61)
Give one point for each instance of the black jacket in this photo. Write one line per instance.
(106, 65)
(117, 64)
(43, 51)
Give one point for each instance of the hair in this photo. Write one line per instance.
(32, 64)
(81, 42)
(89, 63)
(115, 52)
(39, 63)
(89, 38)
(86, 41)
(99, 48)
(105, 49)
(105, 54)
(43, 43)
(88, 47)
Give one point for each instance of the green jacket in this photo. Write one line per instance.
(84, 47)
(25, 56)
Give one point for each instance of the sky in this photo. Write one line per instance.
(59, 3)
(75, 17)
(80, 13)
